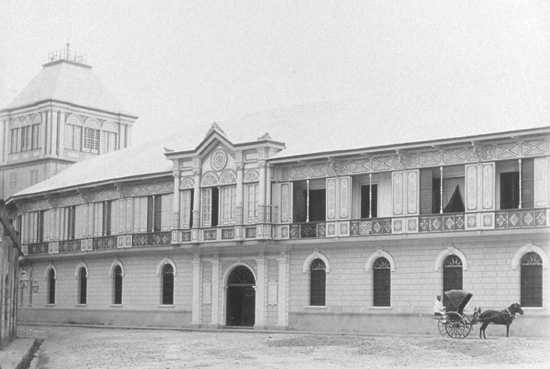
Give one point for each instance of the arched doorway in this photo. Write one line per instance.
(452, 275)
(241, 296)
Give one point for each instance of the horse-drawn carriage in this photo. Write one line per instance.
(454, 322)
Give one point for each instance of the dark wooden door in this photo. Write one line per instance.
(240, 305)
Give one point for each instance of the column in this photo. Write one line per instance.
(196, 302)
(260, 292)
(307, 200)
(519, 169)
(370, 195)
(176, 200)
(239, 199)
(215, 289)
(261, 190)
(282, 309)
(440, 190)
(196, 204)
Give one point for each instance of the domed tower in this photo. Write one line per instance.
(64, 115)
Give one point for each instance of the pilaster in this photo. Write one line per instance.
(215, 289)
(260, 292)
(196, 301)
(282, 301)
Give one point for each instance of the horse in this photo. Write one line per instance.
(504, 317)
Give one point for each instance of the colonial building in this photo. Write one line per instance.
(62, 116)
(218, 232)
(9, 257)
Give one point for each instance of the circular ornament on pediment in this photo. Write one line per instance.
(218, 161)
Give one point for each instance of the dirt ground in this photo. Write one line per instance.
(75, 347)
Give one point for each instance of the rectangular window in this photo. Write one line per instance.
(77, 137)
(154, 213)
(40, 226)
(35, 143)
(509, 190)
(365, 201)
(70, 222)
(226, 202)
(107, 218)
(299, 198)
(251, 202)
(91, 140)
(13, 140)
(215, 207)
(186, 209)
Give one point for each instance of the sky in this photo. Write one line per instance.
(176, 64)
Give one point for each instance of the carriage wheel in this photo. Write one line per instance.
(458, 329)
(441, 327)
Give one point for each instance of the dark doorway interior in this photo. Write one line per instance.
(240, 297)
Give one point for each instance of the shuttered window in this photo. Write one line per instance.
(317, 283)
(452, 275)
(154, 213)
(51, 286)
(531, 280)
(82, 286)
(167, 284)
(381, 282)
(117, 285)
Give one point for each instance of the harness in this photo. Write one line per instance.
(510, 314)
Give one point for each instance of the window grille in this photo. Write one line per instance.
(452, 275)
(51, 286)
(317, 283)
(82, 286)
(117, 285)
(531, 280)
(167, 285)
(381, 282)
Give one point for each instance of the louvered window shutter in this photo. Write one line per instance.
(166, 214)
(206, 205)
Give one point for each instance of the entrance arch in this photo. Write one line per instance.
(240, 297)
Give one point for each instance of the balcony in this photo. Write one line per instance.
(429, 223)
(133, 240)
(423, 224)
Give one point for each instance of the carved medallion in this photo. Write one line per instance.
(218, 161)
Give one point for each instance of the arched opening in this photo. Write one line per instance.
(167, 285)
(452, 275)
(82, 286)
(531, 280)
(51, 286)
(241, 295)
(381, 278)
(117, 285)
(317, 283)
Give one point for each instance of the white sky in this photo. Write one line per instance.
(177, 63)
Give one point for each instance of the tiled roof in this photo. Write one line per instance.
(304, 131)
(67, 82)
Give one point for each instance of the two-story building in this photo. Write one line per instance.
(213, 232)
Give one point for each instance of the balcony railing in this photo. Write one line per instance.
(101, 243)
(424, 223)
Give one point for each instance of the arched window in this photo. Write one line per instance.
(167, 284)
(82, 285)
(452, 275)
(117, 285)
(531, 280)
(51, 286)
(317, 283)
(381, 282)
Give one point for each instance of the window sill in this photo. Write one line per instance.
(49, 305)
(172, 306)
(316, 307)
(119, 306)
(533, 308)
(81, 305)
(381, 307)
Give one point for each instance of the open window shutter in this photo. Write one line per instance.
(185, 209)
(140, 214)
(527, 183)
(344, 197)
(24, 228)
(276, 202)
(542, 182)
(405, 192)
(47, 225)
(426, 181)
(286, 202)
(166, 216)
(332, 198)
(115, 215)
(480, 187)
(129, 215)
(206, 207)
(80, 217)
(98, 219)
